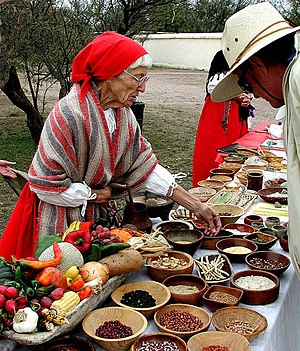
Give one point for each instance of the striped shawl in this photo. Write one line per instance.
(76, 146)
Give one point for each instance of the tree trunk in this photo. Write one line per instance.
(13, 90)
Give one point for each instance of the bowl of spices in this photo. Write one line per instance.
(114, 328)
(182, 320)
(239, 230)
(172, 225)
(186, 288)
(173, 262)
(220, 341)
(219, 296)
(145, 296)
(259, 287)
(269, 261)
(185, 240)
(262, 240)
(209, 242)
(239, 320)
(228, 213)
(236, 249)
(159, 342)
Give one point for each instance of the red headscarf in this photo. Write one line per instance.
(104, 57)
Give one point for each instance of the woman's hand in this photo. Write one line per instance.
(5, 170)
(245, 99)
(103, 195)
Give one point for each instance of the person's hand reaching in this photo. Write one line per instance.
(5, 169)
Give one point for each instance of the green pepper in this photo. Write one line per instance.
(113, 248)
(44, 290)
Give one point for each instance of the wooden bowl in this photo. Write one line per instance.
(222, 317)
(268, 255)
(213, 303)
(283, 241)
(203, 193)
(228, 213)
(233, 341)
(224, 244)
(276, 159)
(234, 159)
(267, 195)
(230, 165)
(248, 168)
(222, 178)
(126, 316)
(239, 230)
(207, 261)
(257, 297)
(171, 225)
(159, 338)
(209, 242)
(262, 240)
(222, 171)
(68, 342)
(255, 163)
(158, 291)
(192, 298)
(214, 184)
(185, 240)
(160, 274)
(198, 312)
(276, 165)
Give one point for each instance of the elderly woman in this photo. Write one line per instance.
(91, 142)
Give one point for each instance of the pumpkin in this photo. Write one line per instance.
(91, 270)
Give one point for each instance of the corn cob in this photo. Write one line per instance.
(69, 300)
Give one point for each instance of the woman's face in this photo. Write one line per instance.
(123, 89)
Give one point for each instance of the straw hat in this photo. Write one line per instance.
(245, 33)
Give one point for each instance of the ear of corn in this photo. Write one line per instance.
(69, 300)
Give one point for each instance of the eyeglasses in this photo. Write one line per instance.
(244, 84)
(140, 81)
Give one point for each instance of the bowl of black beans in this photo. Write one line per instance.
(145, 297)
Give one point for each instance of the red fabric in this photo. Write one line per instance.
(105, 57)
(211, 136)
(20, 235)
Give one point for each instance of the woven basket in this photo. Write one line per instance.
(203, 193)
(225, 315)
(233, 212)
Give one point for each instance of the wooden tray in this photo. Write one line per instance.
(77, 315)
(233, 197)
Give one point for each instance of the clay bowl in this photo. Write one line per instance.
(209, 242)
(172, 225)
(156, 272)
(225, 244)
(185, 240)
(213, 300)
(68, 342)
(262, 240)
(272, 256)
(159, 338)
(257, 297)
(228, 213)
(239, 230)
(208, 261)
(222, 171)
(198, 312)
(248, 168)
(233, 341)
(250, 219)
(222, 178)
(158, 291)
(222, 317)
(283, 241)
(214, 184)
(230, 165)
(267, 195)
(192, 298)
(203, 193)
(126, 316)
(234, 159)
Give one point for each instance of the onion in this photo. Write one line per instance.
(92, 270)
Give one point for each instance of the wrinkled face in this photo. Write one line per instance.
(263, 81)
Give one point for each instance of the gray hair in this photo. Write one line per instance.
(143, 61)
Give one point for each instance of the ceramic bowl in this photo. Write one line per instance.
(203, 193)
(177, 310)
(233, 341)
(222, 171)
(185, 240)
(209, 242)
(279, 230)
(256, 297)
(283, 241)
(219, 296)
(207, 263)
(214, 184)
(230, 165)
(172, 225)
(250, 219)
(126, 316)
(228, 213)
(68, 342)
(189, 280)
(224, 244)
(272, 195)
(158, 291)
(262, 260)
(159, 338)
(239, 230)
(158, 273)
(262, 240)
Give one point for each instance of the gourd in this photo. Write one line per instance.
(70, 256)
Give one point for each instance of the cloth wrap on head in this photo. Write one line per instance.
(105, 57)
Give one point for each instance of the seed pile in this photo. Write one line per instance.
(158, 346)
(220, 296)
(265, 263)
(180, 321)
(183, 289)
(169, 262)
(215, 348)
(113, 330)
(138, 298)
(254, 282)
(240, 327)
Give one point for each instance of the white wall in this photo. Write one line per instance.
(183, 50)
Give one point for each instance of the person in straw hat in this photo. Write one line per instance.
(262, 50)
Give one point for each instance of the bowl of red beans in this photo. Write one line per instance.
(114, 328)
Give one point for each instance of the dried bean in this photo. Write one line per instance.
(220, 296)
(265, 263)
(113, 330)
(158, 346)
(180, 321)
(138, 298)
(215, 348)
(240, 327)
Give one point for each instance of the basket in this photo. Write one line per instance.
(267, 195)
(228, 213)
(233, 197)
(203, 193)
(223, 316)
(230, 165)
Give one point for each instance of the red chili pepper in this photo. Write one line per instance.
(80, 239)
(43, 264)
(85, 226)
(85, 292)
(77, 284)
(45, 278)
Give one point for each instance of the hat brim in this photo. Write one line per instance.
(228, 87)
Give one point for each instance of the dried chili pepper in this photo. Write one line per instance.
(80, 239)
(77, 284)
(86, 292)
(45, 278)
